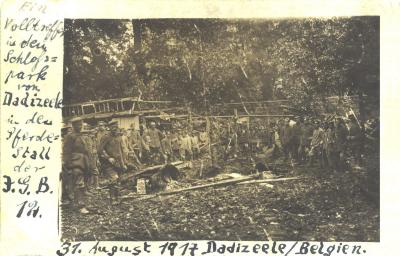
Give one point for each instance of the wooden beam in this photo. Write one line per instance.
(166, 116)
(253, 116)
(271, 180)
(216, 184)
(251, 102)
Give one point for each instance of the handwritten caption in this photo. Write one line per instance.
(210, 248)
(26, 102)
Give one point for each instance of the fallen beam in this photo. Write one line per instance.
(216, 184)
(271, 180)
(252, 115)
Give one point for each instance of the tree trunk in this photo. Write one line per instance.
(139, 61)
(137, 34)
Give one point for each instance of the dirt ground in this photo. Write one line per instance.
(324, 206)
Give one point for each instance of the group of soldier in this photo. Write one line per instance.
(329, 141)
(110, 151)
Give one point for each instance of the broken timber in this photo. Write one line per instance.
(216, 184)
(270, 180)
(244, 180)
(239, 181)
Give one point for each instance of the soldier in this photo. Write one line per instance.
(111, 153)
(76, 160)
(186, 147)
(100, 132)
(340, 138)
(65, 175)
(175, 143)
(66, 129)
(135, 141)
(166, 145)
(195, 145)
(96, 163)
(125, 144)
(354, 138)
(146, 156)
(294, 142)
(92, 179)
(286, 136)
(330, 150)
(316, 144)
(305, 139)
(155, 141)
(277, 144)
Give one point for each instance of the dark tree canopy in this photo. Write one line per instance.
(207, 61)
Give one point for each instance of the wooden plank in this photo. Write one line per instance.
(216, 184)
(253, 115)
(271, 180)
(166, 116)
(251, 102)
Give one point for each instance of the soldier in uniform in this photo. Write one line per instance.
(92, 180)
(101, 132)
(195, 145)
(125, 144)
(155, 141)
(331, 154)
(305, 139)
(186, 146)
(295, 139)
(315, 151)
(135, 141)
(76, 161)
(166, 145)
(354, 139)
(112, 154)
(277, 144)
(286, 135)
(65, 175)
(340, 142)
(175, 143)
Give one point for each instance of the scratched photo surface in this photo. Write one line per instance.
(221, 129)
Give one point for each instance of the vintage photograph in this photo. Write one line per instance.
(221, 129)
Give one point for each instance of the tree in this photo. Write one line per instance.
(201, 62)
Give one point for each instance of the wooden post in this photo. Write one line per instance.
(208, 128)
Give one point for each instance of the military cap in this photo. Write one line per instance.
(76, 119)
(66, 126)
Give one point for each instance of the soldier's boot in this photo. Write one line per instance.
(77, 201)
(95, 180)
(86, 190)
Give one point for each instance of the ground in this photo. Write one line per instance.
(323, 206)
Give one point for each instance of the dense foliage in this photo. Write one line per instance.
(201, 62)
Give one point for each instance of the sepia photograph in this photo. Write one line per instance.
(221, 129)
